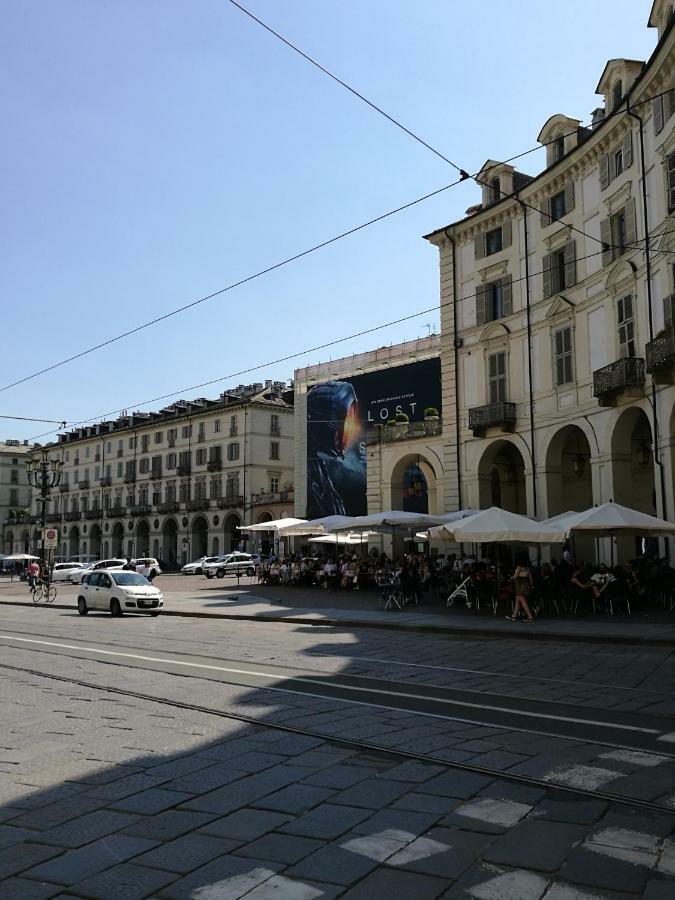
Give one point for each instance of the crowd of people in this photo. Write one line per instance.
(523, 589)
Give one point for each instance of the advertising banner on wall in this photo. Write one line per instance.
(338, 416)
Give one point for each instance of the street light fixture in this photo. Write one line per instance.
(44, 474)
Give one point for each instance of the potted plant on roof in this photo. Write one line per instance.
(431, 420)
(401, 423)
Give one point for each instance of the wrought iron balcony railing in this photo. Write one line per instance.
(493, 415)
(141, 509)
(214, 465)
(624, 374)
(169, 507)
(116, 512)
(201, 503)
(230, 502)
(661, 352)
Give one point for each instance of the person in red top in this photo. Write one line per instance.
(33, 572)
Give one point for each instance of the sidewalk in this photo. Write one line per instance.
(253, 602)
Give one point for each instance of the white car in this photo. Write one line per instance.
(65, 570)
(197, 567)
(232, 564)
(78, 577)
(118, 591)
(147, 566)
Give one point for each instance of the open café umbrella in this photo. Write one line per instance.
(275, 525)
(610, 518)
(21, 556)
(314, 526)
(495, 525)
(341, 539)
(388, 521)
(448, 517)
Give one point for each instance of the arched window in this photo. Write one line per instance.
(415, 491)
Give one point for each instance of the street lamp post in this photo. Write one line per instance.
(44, 474)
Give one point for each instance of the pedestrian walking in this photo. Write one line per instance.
(522, 579)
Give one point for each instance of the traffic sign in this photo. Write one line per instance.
(50, 537)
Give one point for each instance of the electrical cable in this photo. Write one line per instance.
(35, 419)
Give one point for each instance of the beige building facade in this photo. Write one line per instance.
(177, 483)
(15, 496)
(558, 310)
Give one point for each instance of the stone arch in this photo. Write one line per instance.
(633, 482)
(414, 484)
(200, 537)
(568, 471)
(117, 541)
(142, 538)
(9, 543)
(25, 541)
(170, 542)
(95, 540)
(501, 477)
(231, 534)
(74, 541)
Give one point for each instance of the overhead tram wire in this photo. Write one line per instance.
(309, 251)
(437, 308)
(463, 173)
(35, 419)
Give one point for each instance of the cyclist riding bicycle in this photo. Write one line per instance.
(33, 574)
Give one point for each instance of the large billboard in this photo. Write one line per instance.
(338, 415)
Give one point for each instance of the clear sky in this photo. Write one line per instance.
(157, 150)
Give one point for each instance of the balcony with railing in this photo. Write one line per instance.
(493, 415)
(93, 514)
(53, 517)
(201, 437)
(170, 506)
(404, 431)
(660, 357)
(83, 484)
(183, 469)
(72, 516)
(129, 477)
(106, 481)
(120, 452)
(198, 504)
(627, 374)
(230, 501)
(155, 472)
(64, 488)
(116, 512)
(267, 497)
(141, 509)
(214, 465)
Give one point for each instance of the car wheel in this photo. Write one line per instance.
(209, 574)
(250, 571)
(154, 615)
(115, 608)
(82, 606)
(199, 571)
(220, 573)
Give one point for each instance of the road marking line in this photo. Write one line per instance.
(315, 681)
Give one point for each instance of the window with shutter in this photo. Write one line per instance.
(569, 196)
(562, 341)
(546, 274)
(479, 246)
(546, 213)
(481, 291)
(557, 206)
(631, 225)
(617, 160)
(670, 176)
(506, 233)
(570, 264)
(494, 308)
(626, 326)
(657, 114)
(497, 377)
(628, 151)
(507, 294)
(493, 241)
(606, 239)
(604, 171)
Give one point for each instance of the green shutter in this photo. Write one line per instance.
(604, 171)
(507, 237)
(546, 212)
(606, 239)
(507, 295)
(479, 246)
(628, 150)
(481, 290)
(546, 273)
(570, 264)
(657, 114)
(631, 225)
(569, 196)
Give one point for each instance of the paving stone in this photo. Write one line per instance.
(256, 761)
(168, 825)
(278, 887)
(487, 882)
(206, 779)
(658, 890)
(126, 880)
(87, 828)
(338, 777)
(404, 821)
(509, 790)
(76, 865)
(58, 813)
(282, 848)
(595, 870)
(536, 845)
(23, 889)
(389, 883)
(502, 760)
(455, 783)
(326, 821)
(413, 771)
(580, 812)
(227, 878)
(10, 835)
(487, 815)
(373, 794)
(646, 784)
(247, 824)
(186, 853)
(636, 820)
(442, 852)
(572, 892)
(426, 803)
(23, 856)
(248, 790)
(296, 798)
(334, 865)
(124, 787)
(151, 801)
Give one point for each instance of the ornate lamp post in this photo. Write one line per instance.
(44, 474)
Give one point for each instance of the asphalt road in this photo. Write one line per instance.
(180, 757)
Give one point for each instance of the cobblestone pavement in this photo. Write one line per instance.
(109, 795)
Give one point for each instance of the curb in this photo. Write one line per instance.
(517, 634)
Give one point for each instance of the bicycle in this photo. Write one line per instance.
(44, 591)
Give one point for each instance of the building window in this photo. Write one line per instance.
(145, 443)
(493, 300)
(200, 490)
(76, 476)
(67, 455)
(493, 241)
(97, 473)
(233, 451)
(132, 443)
(14, 476)
(562, 346)
(170, 493)
(559, 269)
(233, 426)
(216, 426)
(13, 497)
(274, 484)
(275, 428)
(171, 460)
(201, 456)
(558, 148)
(618, 233)
(156, 497)
(201, 431)
(670, 176)
(232, 486)
(215, 489)
(497, 377)
(626, 326)
(274, 449)
(171, 436)
(86, 452)
(495, 192)
(144, 465)
(617, 93)
(618, 161)
(184, 491)
(186, 431)
(558, 206)
(158, 437)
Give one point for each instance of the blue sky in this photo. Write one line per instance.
(156, 150)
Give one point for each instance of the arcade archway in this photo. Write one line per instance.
(501, 478)
(170, 543)
(200, 537)
(118, 540)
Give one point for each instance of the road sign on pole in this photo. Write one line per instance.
(50, 537)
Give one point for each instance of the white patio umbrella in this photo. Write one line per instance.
(274, 525)
(340, 539)
(21, 556)
(612, 518)
(448, 517)
(388, 521)
(495, 525)
(313, 526)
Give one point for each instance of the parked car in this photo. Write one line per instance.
(118, 591)
(232, 564)
(78, 577)
(64, 570)
(197, 567)
(147, 566)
